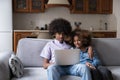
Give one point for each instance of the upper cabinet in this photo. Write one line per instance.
(85, 6)
(76, 6)
(28, 5)
(92, 6)
(106, 6)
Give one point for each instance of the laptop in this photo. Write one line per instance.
(67, 56)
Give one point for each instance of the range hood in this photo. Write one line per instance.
(56, 3)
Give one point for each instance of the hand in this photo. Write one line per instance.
(52, 63)
(90, 65)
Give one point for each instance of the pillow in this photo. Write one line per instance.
(16, 66)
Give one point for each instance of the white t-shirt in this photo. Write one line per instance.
(50, 47)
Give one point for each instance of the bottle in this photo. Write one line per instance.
(106, 27)
(91, 28)
(46, 26)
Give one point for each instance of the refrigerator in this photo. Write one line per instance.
(6, 28)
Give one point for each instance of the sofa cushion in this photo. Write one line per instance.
(37, 73)
(33, 73)
(28, 50)
(16, 66)
(69, 77)
(115, 71)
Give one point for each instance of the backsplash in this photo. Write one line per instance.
(29, 21)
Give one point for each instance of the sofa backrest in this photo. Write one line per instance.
(28, 50)
(108, 50)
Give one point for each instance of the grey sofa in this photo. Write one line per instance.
(28, 51)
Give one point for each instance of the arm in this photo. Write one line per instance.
(46, 55)
(46, 63)
(96, 61)
(90, 52)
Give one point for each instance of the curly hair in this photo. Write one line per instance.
(84, 36)
(60, 25)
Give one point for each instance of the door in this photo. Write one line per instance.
(106, 6)
(92, 6)
(36, 5)
(21, 5)
(78, 6)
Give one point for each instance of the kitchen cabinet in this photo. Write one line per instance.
(19, 34)
(104, 34)
(17, 37)
(28, 5)
(85, 6)
(44, 34)
(78, 6)
(106, 6)
(92, 6)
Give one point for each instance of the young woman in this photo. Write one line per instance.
(59, 28)
(86, 33)
(88, 56)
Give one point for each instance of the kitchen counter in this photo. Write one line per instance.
(103, 31)
(18, 34)
(31, 31)
(48, 30)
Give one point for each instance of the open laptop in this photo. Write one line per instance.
(67, 56)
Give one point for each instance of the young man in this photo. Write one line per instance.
(59, 28)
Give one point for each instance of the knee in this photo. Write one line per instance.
(103, 69)
(52, 68)
(85, 69)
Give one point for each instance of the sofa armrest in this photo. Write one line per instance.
(4, 67)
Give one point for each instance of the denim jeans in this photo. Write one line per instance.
(55, 71)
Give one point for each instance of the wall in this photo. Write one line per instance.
(5, 25)
(114, 19)
(117, 15)
(31, 20)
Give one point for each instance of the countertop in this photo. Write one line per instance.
(48, 31)
(31, 31)
(103, 31)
